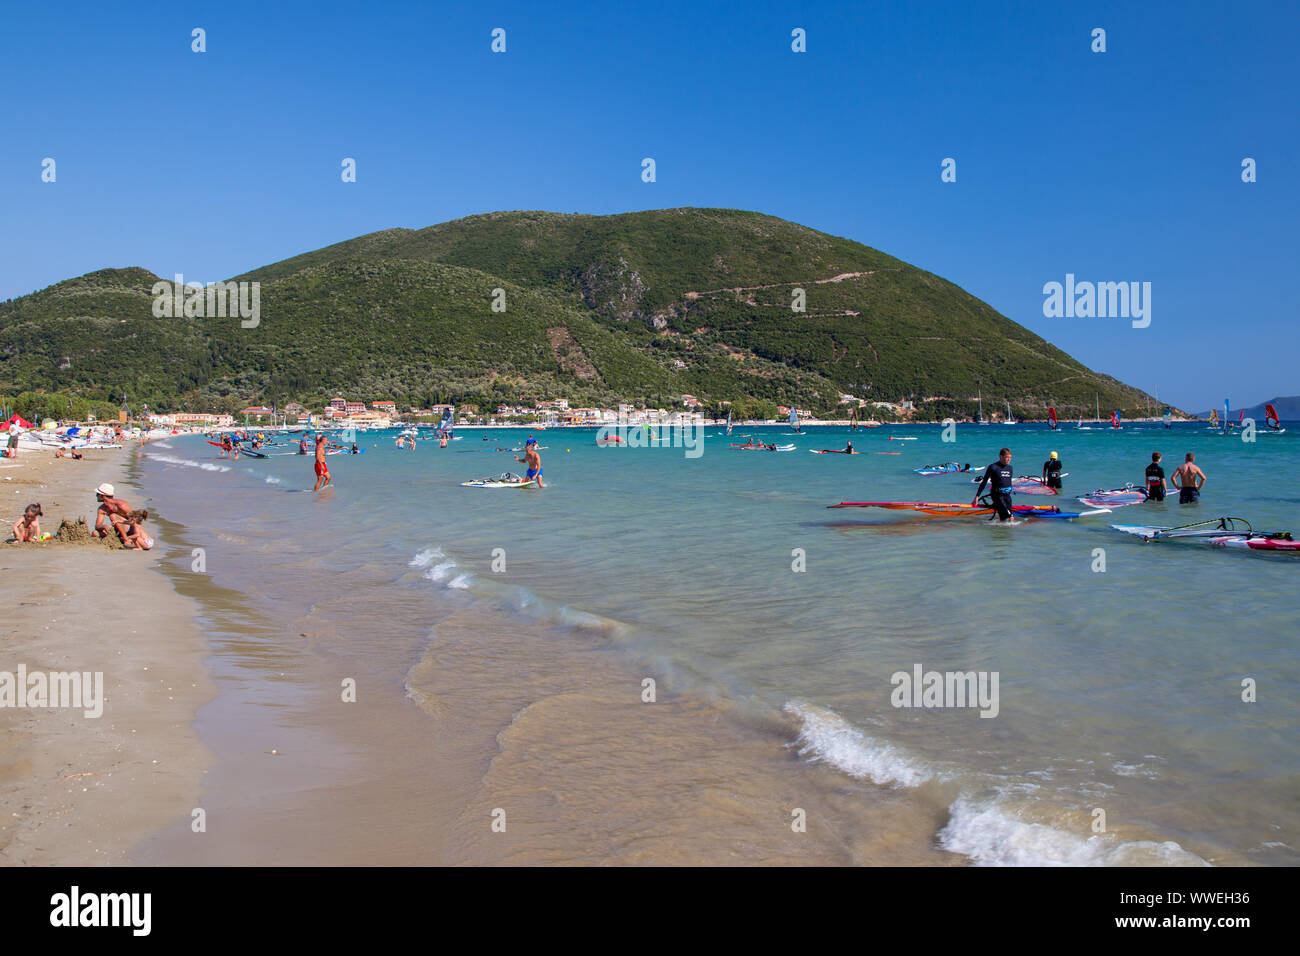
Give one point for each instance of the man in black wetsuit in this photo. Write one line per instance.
(1052, 472)
(998, 477)
(1155, 479)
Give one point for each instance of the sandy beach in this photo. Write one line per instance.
(79, 790)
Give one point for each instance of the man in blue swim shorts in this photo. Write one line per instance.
(533, 460)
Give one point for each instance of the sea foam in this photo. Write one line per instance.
(188, 463)
(992, 835)
(426, 557)
(440, 572)
(827, 737)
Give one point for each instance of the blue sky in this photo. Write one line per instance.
(1115, 166)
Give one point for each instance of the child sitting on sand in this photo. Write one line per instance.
(134, 536)
(28, 528)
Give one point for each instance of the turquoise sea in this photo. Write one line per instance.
(773, 627)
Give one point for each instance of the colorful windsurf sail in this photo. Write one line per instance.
(1217, 533)
(1115, 497)
(947, 468)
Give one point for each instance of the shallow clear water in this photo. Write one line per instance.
(1118, 690)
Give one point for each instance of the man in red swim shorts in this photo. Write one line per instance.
(322, 469)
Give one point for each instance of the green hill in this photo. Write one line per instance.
(640, 307)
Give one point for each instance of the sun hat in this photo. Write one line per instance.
(105, 489)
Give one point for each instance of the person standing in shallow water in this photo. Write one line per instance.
(998, 476)
(1155, 477)
(1185, 480)
(1052, 472)
(533, 460)
(322, 469)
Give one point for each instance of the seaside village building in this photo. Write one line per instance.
(373, 419)
(202, 420)
(379, 415)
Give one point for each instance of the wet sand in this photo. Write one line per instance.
(499, 719)
(77, 790)
(466, 715)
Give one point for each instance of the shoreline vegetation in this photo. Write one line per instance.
(736, 308)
